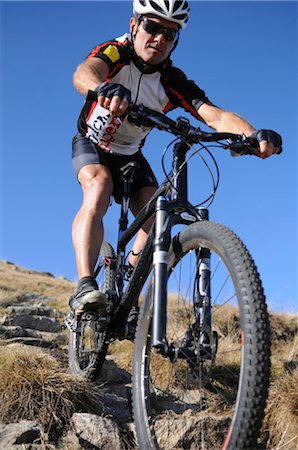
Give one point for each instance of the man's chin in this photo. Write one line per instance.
(154, 61)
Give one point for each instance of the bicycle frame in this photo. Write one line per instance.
(171, 207)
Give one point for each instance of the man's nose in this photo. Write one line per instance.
(160, 38)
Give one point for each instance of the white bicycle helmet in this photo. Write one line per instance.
(172, 10)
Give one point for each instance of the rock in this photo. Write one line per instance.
(23, 432)
(71, 441)
(31, 337)
(186, 431)
(34, 310)
(97, 431)
(11, 332)
(113, 374)
(117, 405)
(40, 323)
(34, 297)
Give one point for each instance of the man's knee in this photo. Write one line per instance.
(97, 185)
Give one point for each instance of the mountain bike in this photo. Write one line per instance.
(202, 342)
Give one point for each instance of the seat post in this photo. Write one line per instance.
(127, 173)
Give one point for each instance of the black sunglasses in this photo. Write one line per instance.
(154, 28)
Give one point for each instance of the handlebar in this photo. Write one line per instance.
(238, 144)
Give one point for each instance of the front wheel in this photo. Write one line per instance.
(213, 396)
(88, 343)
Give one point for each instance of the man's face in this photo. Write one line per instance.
(152, 48)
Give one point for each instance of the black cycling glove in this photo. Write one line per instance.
(112, 90)
(269, 136)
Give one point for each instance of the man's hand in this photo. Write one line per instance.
(266, 149)
(114, 97)
(270, 142)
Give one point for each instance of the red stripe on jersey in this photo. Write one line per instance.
(91, 110)
(169, 106)
(184, 103)
(115, 70)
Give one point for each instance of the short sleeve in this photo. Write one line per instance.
(113, 53)
(183, 92)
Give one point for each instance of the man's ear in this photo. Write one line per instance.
(132, 25)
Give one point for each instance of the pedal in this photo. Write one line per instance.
(88, 316)
(99, 322)
(103, 322)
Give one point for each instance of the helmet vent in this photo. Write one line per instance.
(181, 17)
(156, 6)
(177, 5)
(176, 11)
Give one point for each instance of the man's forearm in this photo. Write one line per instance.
(89, 74)
(232, 123)
(224, 121)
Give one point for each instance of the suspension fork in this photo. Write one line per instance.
(160, 275)
(203, 284)
(161, 246)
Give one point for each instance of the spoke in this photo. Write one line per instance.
(225, 302)
(221, 289)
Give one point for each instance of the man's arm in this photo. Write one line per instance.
(230, 122)
(89, 75)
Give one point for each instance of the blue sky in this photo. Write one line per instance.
(243, 54)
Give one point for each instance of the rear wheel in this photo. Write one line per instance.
(213, 395)
(88, 343)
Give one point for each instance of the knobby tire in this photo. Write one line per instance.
(156, 415)
(88, 365)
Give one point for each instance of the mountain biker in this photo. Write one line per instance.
(135, 67)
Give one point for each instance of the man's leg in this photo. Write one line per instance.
(87, 233)
(137, 202)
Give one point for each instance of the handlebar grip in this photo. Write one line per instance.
(269, 136)
(255, 145)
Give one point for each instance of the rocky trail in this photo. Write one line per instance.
(42, 407)
(33, 323)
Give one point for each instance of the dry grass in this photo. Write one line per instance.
(15, 282)
(281, 420)
(33, 385)
(283, 326)
(122, 351)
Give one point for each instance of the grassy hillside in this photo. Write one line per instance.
(34, 383)
(15, 282)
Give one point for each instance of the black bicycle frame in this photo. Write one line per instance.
(171, 207)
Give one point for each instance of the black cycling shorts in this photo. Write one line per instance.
(84, 152)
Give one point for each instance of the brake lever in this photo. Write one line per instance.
(247, 146)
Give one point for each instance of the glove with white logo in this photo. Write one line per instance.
(111, 90)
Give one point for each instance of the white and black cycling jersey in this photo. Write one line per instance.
(162, 89)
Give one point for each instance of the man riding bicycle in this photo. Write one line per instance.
(137, 68)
